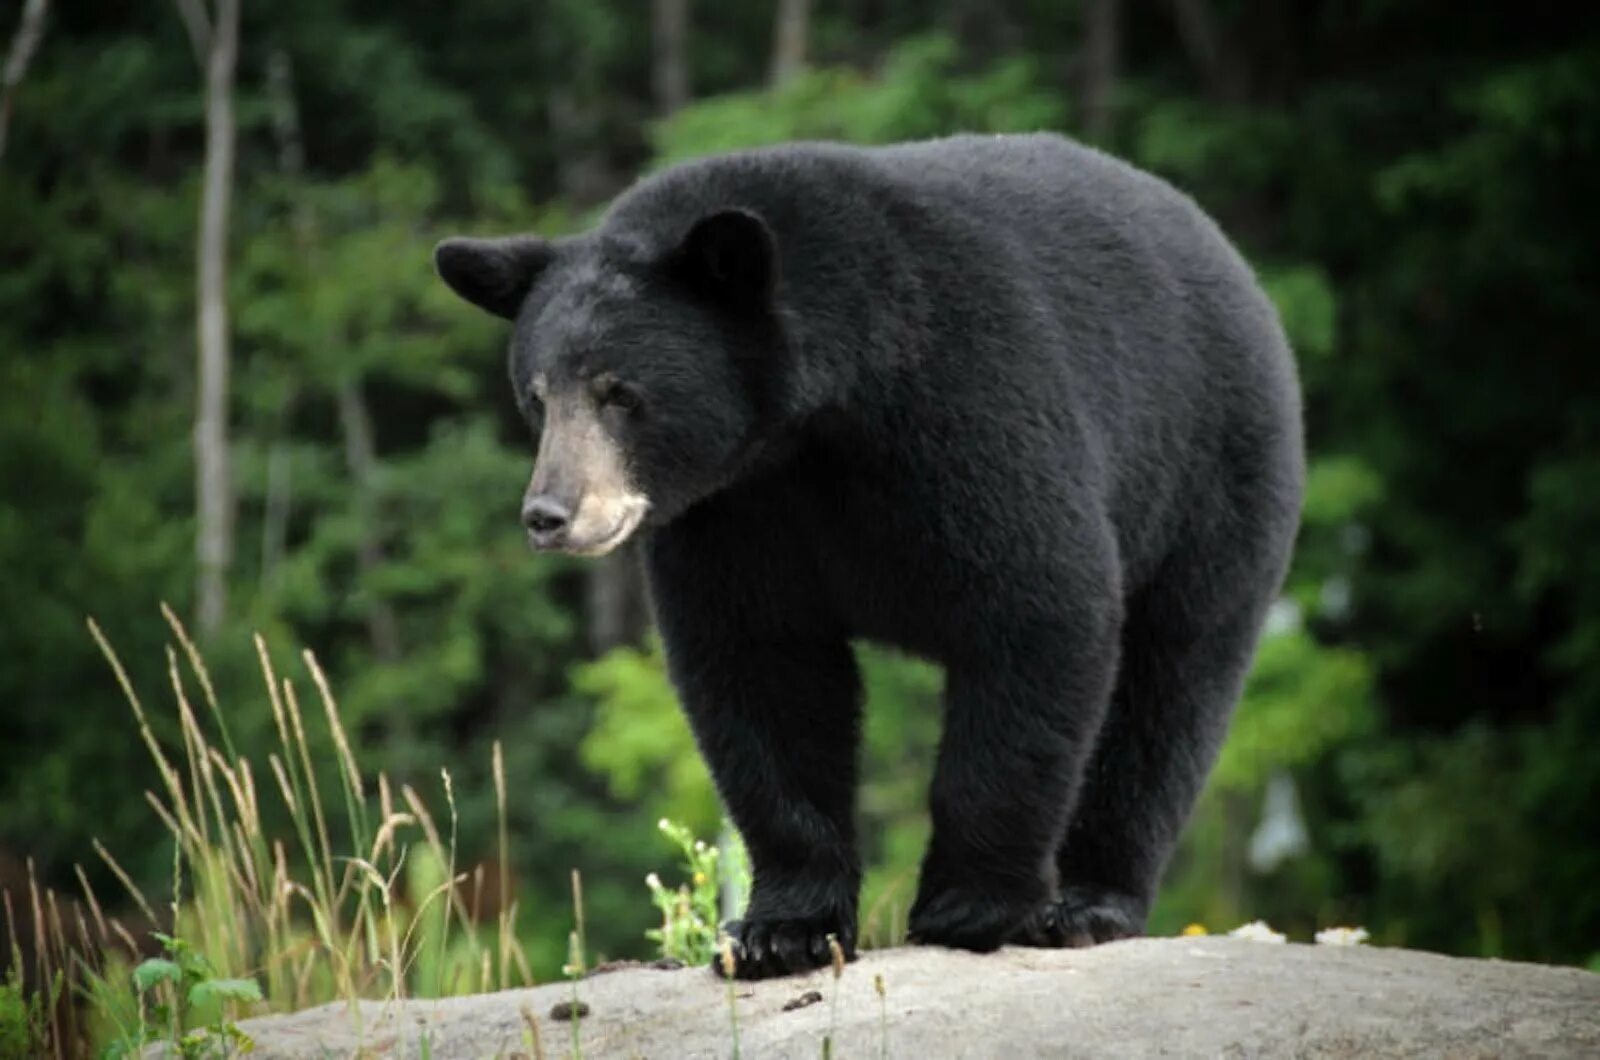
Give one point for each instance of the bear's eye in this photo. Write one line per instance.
(530, 404)
(611, 392)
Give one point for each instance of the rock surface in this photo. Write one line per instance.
(1147, 997)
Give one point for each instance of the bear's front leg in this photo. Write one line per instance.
(1023, 711)
(769, 684)
(778, 725)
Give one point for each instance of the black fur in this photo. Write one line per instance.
(1002, 402)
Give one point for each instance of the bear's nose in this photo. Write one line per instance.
(546, 519)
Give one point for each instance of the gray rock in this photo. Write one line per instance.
(1184, 997)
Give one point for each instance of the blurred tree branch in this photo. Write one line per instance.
(1204, 42)
(30, 30)
(197, 24)
(669, 53)
(217, 40)
(789, 34)
(1100, 48)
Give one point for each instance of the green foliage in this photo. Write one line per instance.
(920, 91)
(1303, 701)
(189, 998)
(1308, 307)
(1418, 207)
(690, 913)
(902, 738)
(25, 1015)
(640, 741)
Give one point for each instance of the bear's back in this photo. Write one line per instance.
(1079, 214)
(991, 173)
(1037, 211)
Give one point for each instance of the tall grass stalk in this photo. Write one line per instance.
(577, 960)
(499, 763)
(883, 1016)
(575, 973)
(836, 952)
(729, 968)
(530, 1035)
(322, 916)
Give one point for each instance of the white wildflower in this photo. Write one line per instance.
(1256, 931)
(1342, 936)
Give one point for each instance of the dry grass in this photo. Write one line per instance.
(379, 914)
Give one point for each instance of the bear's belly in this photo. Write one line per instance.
(890, 602)
(889, 572)
(895, 582)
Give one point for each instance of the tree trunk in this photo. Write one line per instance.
(615, 608)
(985, 29)
(30, 29)
(577, 104)
(361, 458)
(383, 626)
(1100, 48)
(582, 169)
(355, 419)
(1202, 39)
(213, 463)
(275, 514)
(291, 159)
(669, 53)
(789, 35)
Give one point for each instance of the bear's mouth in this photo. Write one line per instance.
(632, 516)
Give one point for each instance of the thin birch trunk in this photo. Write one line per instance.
(213, 462)
(24, 43)
(1100, 53)
(669, 54)
(1203, 40)
(789, 35)
(362, 460)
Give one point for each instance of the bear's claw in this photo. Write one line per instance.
(965, 919)
(1082, 916)
(763, 948)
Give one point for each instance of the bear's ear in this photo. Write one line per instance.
(494, 274)
(730, 257)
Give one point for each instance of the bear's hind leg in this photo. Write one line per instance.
(1019, 729)
(1186, 650)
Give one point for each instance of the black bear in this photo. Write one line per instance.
(1002, 402)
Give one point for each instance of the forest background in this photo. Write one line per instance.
(230, 381)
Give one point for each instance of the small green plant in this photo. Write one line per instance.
(25, 1019)
(689, 914)
(183, 988)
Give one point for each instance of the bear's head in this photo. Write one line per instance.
(647, 374)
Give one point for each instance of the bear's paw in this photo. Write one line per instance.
(764, 947)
